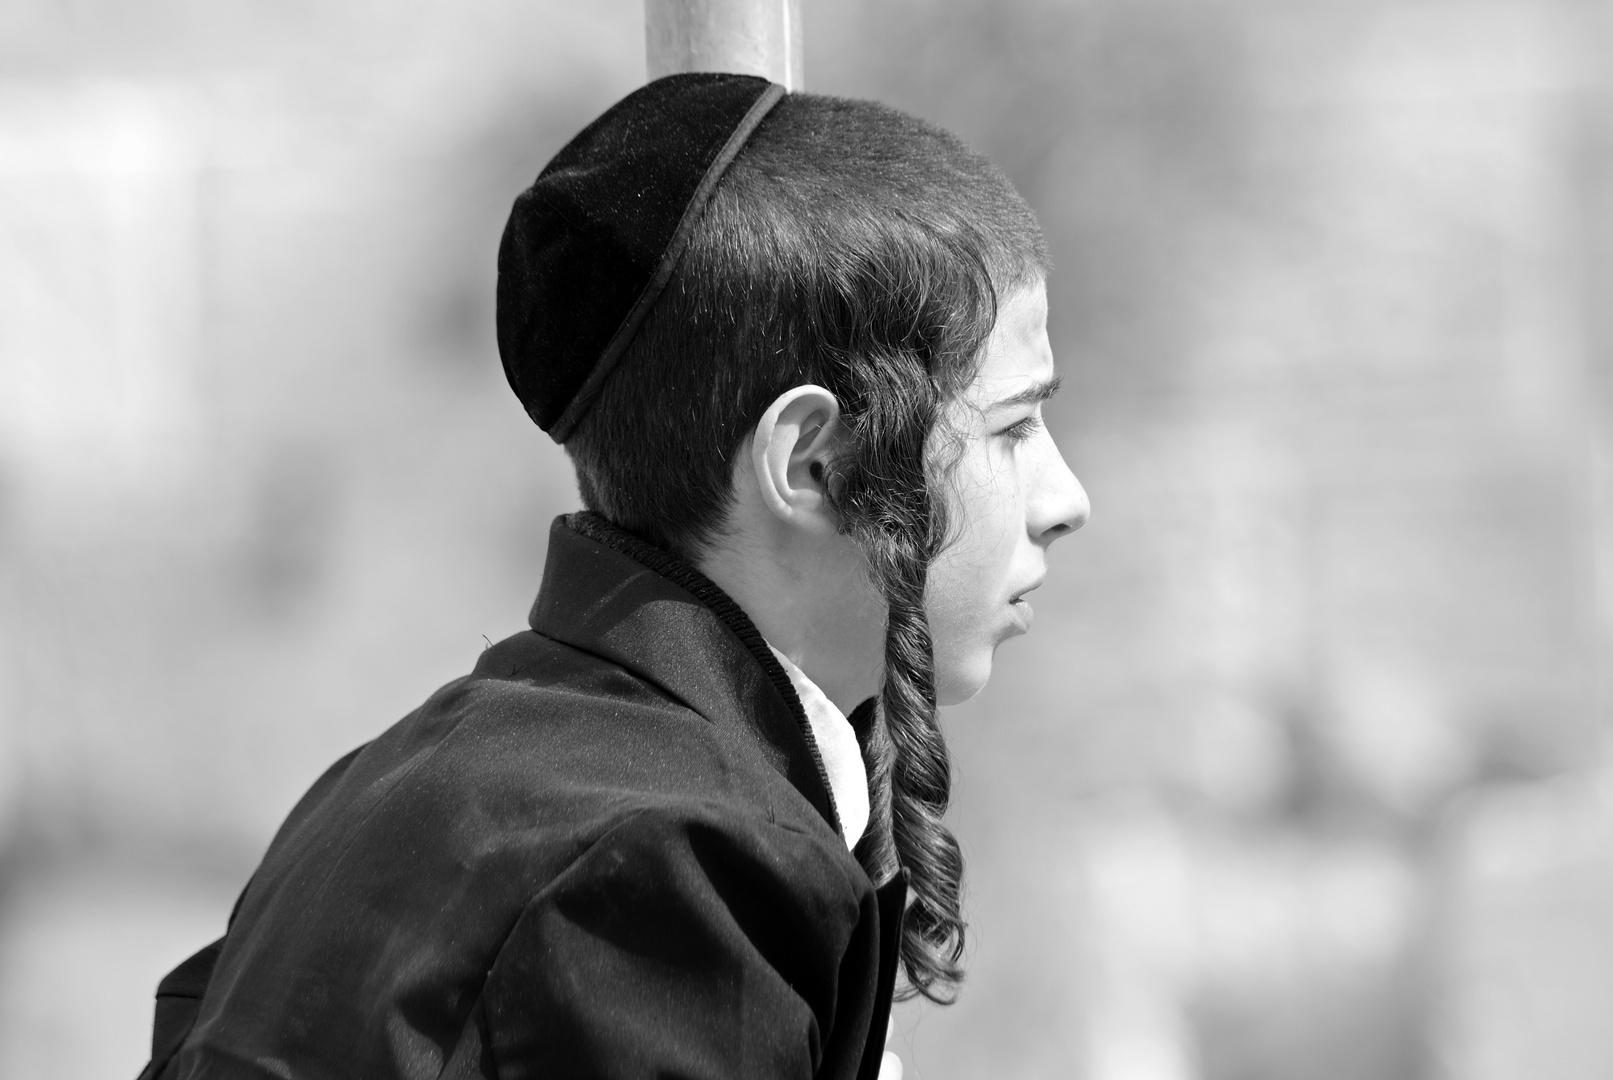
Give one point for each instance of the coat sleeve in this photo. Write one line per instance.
(692, 947)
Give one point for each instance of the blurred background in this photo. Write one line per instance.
(1304, 773)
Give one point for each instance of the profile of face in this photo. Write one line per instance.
(784, 559)
(1009, 496)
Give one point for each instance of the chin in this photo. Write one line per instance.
(957, 679)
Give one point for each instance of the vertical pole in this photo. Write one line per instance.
(747, 37)
(1596, 233)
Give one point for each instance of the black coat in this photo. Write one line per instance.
(609, 851)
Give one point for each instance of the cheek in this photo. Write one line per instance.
(966, 599)
(987, 522)
(959, 632)
(948, 599)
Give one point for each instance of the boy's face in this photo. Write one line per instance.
(1010, 496)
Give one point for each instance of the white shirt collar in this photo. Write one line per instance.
(837, 748)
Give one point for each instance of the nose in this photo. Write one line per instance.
(1058, 505)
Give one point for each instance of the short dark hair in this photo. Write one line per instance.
(852, 246)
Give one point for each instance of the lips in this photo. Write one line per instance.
(1023, 609)
(1021, 606)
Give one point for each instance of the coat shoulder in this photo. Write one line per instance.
(540, 725)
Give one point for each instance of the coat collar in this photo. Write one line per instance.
(609, 593)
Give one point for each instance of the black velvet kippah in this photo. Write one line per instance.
(590, 245)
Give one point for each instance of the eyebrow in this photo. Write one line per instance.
(1032, 395)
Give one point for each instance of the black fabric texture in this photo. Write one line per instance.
(606, 852)
(719, 603)
(589, 244)
(179, 995)
(892, 904)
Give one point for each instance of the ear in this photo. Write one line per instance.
(789, 451)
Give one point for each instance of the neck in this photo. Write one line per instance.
(810, 597)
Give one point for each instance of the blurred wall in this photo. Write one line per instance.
(1303, 772)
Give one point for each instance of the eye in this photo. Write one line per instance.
(1023, 429)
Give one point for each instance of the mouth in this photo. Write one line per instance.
(1022, 607)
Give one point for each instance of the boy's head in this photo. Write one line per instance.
(874, 260)
(843, 244)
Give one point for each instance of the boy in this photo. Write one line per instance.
(690, 823)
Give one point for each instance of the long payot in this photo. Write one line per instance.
(883, 491)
